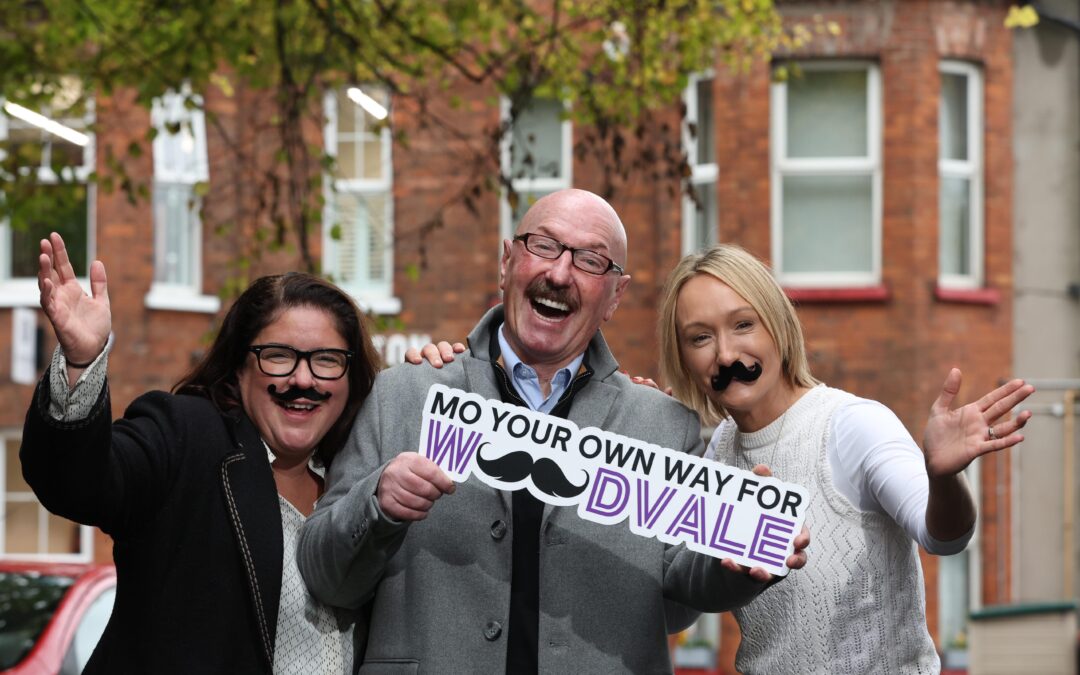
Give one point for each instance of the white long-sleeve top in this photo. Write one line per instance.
(878, 467)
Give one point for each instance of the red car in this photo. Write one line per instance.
(52, 615)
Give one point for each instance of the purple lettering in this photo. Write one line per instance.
(608, 503)
(449, 447)
(720, 539)
(647, 514)
(772, 533)
(690, 520)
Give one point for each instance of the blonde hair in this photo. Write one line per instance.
(751, 279)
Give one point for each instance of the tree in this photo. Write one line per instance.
(619, 64)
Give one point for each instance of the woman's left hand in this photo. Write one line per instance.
(954, 438)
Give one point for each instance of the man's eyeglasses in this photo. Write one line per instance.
(280, 360)
(583, 259)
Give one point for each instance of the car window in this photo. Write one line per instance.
(91, 626)
(27, 602)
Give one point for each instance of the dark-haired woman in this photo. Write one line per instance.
(204, 490)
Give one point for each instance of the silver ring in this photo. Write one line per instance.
(990, 432)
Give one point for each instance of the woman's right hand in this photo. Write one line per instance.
(435, 354)
(81, 323)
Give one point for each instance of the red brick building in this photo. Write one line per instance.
(876, 178)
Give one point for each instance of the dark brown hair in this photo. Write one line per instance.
(215, 377)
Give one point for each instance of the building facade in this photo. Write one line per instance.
(873, 166)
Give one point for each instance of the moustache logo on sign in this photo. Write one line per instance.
(736, 371)
(290, 395)
(544, 473)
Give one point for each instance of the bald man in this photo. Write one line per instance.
(467, 578)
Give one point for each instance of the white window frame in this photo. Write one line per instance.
(782, 166)
(525, 185)
(376, 299)
(86, 533)
(23, 291)
(971, 170)
(700, 174)
(170, 108)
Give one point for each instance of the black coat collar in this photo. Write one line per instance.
(251, 500)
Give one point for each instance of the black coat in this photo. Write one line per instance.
(189, 498)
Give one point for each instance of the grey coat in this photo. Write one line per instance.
(440, 588)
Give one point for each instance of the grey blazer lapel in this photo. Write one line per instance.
(480, 380)
(251, 501)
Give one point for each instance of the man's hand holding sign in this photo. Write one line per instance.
(410, 485)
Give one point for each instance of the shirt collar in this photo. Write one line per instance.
(512, 363)
(314, 463)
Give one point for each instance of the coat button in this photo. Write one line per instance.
(498, 530)
(492, 631)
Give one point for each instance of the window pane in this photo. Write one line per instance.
(34, 147)
(364, 239)
(21, 527)
(64, 154)
(63, 535)
(55, 207)
(537, 141)
(373, 159)
(366, 120)
(175, 219)
(346, 160)
(953, 599)
(705, 216)
(953, 116)
(826, 115)
(176, 153)
(706, 140)
(346, 113)
(525, 202)
(25, 144)
(828, 223)
(955, 224)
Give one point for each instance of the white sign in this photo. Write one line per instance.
(713, 508)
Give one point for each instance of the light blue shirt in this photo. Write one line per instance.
(527, 382)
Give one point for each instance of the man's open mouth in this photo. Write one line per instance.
(550, 309)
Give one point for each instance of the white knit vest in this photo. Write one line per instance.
(858, 606)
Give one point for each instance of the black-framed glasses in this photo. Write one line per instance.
(281, 360)
(585, 260)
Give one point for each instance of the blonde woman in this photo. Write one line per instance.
(732, 349)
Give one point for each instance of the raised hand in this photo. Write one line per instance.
(409, 486)
(81, 322)
(954, 438)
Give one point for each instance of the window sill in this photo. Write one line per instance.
(25, 293)
(379, 305)
(968, 296)
(842, 295)
(179, 299)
